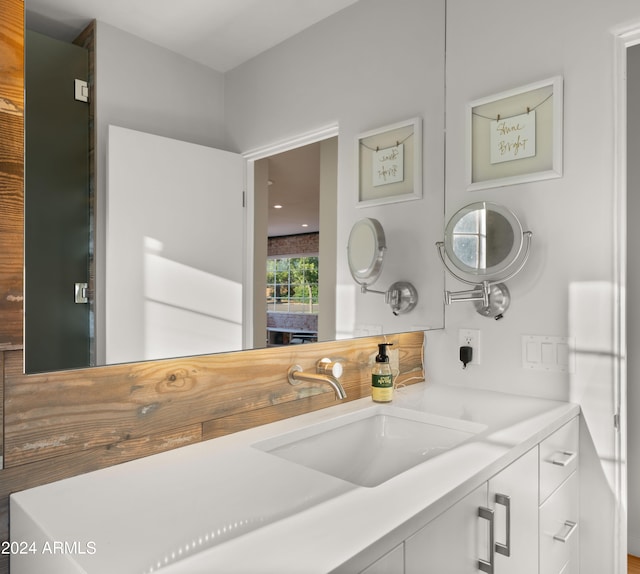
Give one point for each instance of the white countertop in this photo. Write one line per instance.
(224, 506)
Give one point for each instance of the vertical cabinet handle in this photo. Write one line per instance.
(505, 549)
(484, 565)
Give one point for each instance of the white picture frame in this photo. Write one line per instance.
(545, 100)
(389, 167)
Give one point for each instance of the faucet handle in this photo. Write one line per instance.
(328, 367)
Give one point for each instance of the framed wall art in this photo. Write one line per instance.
(515, 136)
(390, 164)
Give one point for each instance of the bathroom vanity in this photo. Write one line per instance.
(461, 481)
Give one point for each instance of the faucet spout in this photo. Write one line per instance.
(296, 375)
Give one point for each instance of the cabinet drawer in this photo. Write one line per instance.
(558, 457)
(559, 529)
(453, 542)
(391, 563)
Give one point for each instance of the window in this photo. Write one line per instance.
(470, 238)
(292, 285)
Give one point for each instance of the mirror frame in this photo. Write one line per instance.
(371, 273)
(490, 273)
(433, 153)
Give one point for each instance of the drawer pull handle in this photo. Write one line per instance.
(484, 565)
(505, 549)
(570, 456)
(567, 530)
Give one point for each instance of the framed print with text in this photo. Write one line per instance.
(390, 164)
(515, 136)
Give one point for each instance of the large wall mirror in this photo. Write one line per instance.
(120, 197)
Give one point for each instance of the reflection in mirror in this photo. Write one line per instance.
(149, 88)
(57, 326)
(133, 315)
(365, 251)
(484, 241)
(173, 269)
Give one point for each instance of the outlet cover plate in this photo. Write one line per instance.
(471, 338)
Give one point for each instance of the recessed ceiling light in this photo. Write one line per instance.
(277, 206)
(305, 225)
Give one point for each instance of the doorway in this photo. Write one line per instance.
(293, 232)
(627, 273)
(322, 145)
(633, 286)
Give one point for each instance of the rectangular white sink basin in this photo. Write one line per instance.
(371, 446)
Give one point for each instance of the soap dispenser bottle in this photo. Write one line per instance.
(381, 377)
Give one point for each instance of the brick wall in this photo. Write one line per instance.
(290, 245)
(296, 321)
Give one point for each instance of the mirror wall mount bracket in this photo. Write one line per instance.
(491, 298)
(401, 296)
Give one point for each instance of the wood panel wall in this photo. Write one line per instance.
(62, 424)
(11, 171)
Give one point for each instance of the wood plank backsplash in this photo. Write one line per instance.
(58, 425)
(11, 171)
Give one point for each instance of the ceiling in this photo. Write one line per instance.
(294, 178)
(220, 34)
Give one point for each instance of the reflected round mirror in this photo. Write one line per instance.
(365, 250)
(483, 239)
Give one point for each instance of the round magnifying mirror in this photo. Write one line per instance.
(365, 250)
(483, 239)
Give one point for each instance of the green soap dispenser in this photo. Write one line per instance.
(381, 377)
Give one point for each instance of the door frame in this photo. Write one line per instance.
(624, 39)
(251, 157)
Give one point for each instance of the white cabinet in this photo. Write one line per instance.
(559, 529)
(559, 501)
(513, 496)
(523, 520)
(493, 529)
(558, 457)
(449, 544)
(390, 563)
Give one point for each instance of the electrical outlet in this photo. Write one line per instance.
(470, 338)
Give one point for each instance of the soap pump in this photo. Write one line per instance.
(381, 377)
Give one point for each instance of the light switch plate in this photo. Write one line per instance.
(545, 353)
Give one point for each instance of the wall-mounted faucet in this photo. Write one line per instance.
(327, 371)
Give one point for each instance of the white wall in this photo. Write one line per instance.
(498, 45)
(633, 287)
(144, 87)
(373, 64)
(568, 287)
